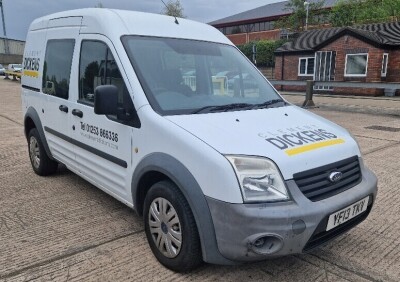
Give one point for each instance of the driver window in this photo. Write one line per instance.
(98, 67)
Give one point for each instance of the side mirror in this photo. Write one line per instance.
(106, 100)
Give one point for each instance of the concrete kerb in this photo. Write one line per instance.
(357, 104)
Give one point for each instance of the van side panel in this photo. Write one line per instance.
(33, 61)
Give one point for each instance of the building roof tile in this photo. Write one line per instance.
(266, 11)
(381, 34)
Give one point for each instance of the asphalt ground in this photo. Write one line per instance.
(61, 228)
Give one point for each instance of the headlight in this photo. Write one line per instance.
(259, 179)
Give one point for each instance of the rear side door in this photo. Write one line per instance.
(60, 46)
(103, 149)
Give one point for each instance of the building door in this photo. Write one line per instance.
(325, 63)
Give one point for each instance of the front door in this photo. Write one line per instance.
(325, 63)
(103, 147)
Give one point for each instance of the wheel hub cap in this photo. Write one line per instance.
(34, 152)
(165, 227)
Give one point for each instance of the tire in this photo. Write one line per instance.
(176, 220)
(40, 161)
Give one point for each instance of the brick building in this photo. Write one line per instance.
(258, 23)
(368, 53)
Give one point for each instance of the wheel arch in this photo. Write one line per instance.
(160, 166)
(32, 120)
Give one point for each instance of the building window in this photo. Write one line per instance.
(384, 64)
(271, 24)
(356, 65)
(236, 29)
(57, 67)
(306, 66)
(325, 65)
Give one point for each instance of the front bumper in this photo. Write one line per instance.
(288, 227)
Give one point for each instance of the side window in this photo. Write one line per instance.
(57, 67)
(91, 69)
(98, 67)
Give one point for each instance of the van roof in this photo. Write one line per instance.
(115, 23)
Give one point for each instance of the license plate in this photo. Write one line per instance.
(347, 213)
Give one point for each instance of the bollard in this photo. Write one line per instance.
(308, 102)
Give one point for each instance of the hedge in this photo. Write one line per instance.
(265, 51)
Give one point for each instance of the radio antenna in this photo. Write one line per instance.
(176, 20)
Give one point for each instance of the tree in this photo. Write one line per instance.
(296, 21)
(350, 12)
(343, 13)
(393, 8)
(174, 9)
(99, 5)
(265, 51)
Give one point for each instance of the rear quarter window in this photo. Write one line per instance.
(57, 67)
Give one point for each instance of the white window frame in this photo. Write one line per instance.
(356, 75)
(327, 71)
(383, 74)
(298, 69)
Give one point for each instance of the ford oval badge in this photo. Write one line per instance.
(335, 176)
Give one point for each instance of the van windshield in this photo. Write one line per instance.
(182, 76)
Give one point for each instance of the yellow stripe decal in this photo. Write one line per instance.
(31, 73)
(310, 147)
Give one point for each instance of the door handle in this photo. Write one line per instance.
(77, 113)
(63, 108)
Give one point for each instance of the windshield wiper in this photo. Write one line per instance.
(268, 104)
(223, 108)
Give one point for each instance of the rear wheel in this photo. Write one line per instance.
(170, 228)
(40, 161)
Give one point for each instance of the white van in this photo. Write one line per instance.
(221, 167)
(14, 67)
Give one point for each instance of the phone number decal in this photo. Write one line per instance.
(104, 133)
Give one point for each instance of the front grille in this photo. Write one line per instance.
(321, 236)
(315, 183)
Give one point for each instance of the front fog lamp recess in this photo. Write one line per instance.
(267, 245)
(259, 179)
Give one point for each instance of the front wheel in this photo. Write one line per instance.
(170, 228)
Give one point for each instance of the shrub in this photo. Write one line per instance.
(265, 51)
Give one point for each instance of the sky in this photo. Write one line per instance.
(20, 13)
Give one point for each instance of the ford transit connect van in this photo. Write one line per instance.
(171, 119)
